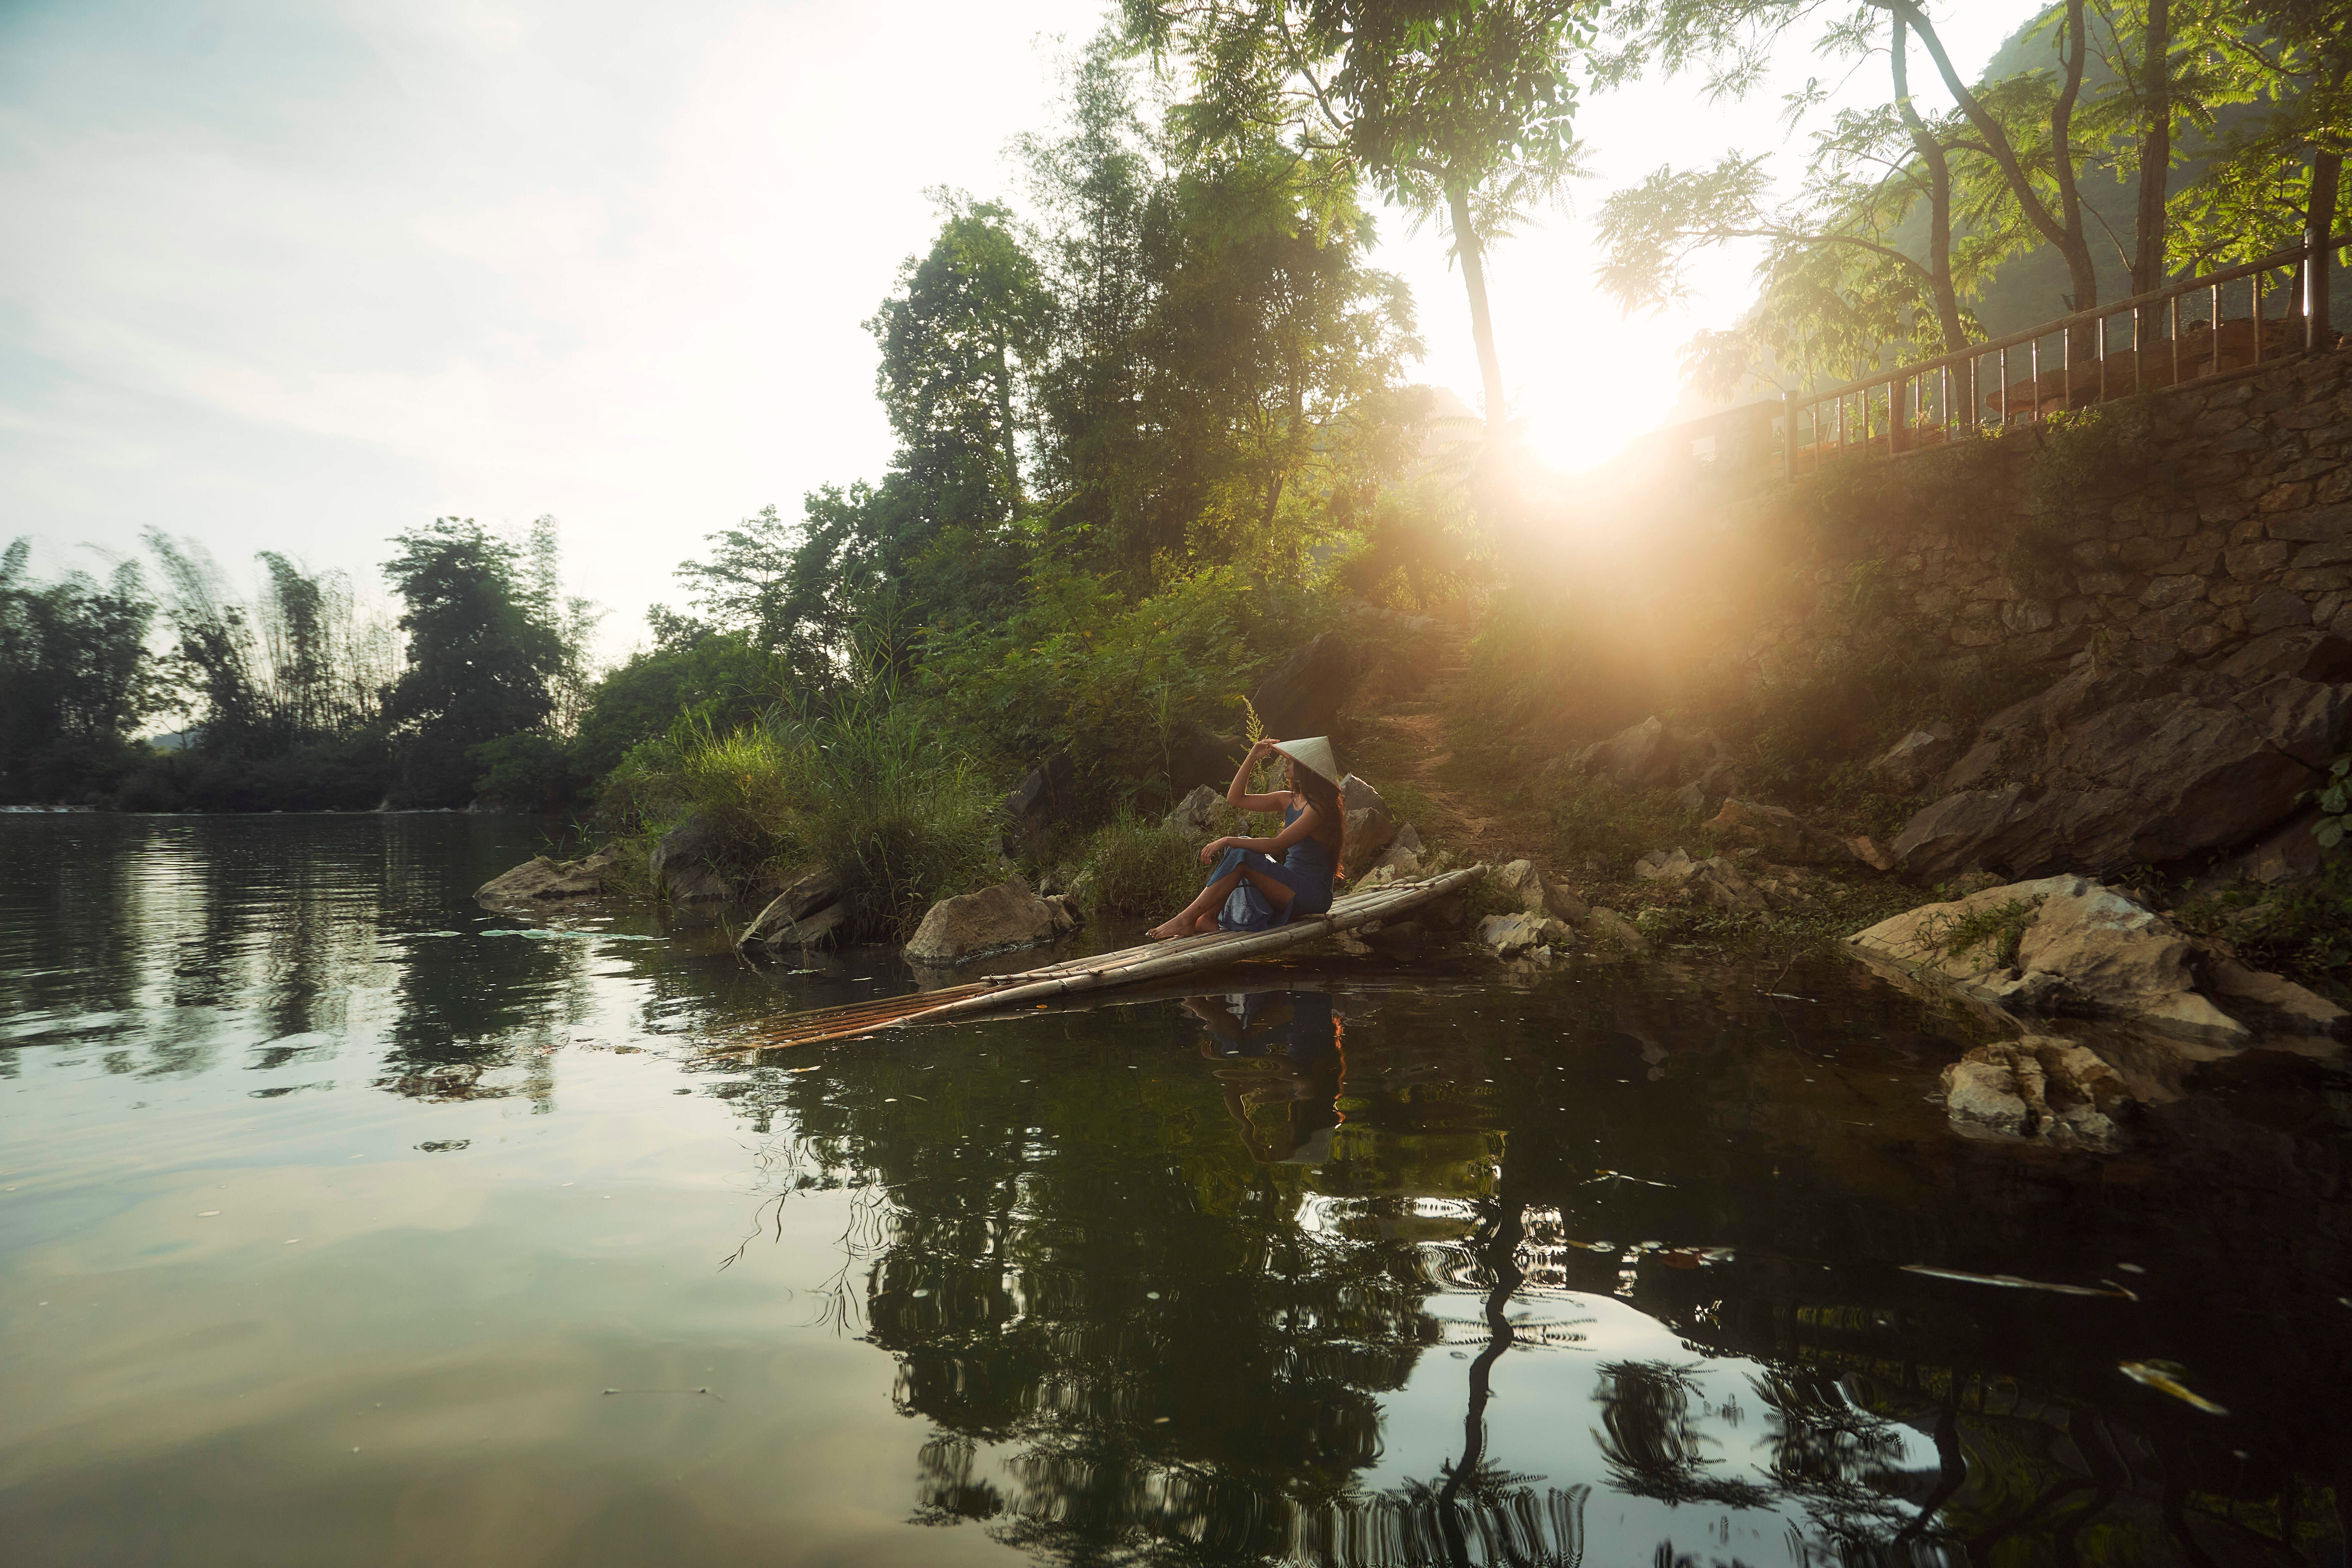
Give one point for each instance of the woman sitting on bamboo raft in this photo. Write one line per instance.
(1252, 890)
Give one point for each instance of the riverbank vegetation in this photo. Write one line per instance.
(1155, 430)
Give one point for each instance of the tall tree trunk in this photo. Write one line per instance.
(2073, 243)
(1004, 427)
(1939, 196)
(1470, 250)
(2062, 228)
(2155, 150)
(2326, 177)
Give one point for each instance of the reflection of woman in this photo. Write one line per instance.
(1252, 890)
(1303, 1023)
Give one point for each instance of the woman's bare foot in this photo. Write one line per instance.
(1204, 925)
(1164, 932)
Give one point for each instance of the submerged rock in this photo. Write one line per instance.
(2059, 944)
(2037, 1087)
(543, 879)
(805, 912)
(993, 918)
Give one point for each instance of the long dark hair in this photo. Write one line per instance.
(1330, 811)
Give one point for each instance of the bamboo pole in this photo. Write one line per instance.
(1127, 966)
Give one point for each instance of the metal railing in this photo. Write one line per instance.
(1936, 402)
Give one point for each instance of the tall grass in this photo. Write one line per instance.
(871, 790)
(1134, 868)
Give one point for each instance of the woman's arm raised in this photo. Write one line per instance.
(1237, 793)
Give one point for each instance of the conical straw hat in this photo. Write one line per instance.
(1313, 753)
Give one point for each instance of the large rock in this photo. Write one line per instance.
(1714, 882)
(2104, 769)
(543, 880)
(805, 912)
(1781, 834)
(2039, 1087)
(1198, 816)
(1371, 826)
(993, 918)
(1520, 882)
(685, 863)
(2060, 945)
(2278, 1001)
(1511, 936)
(1303, 694)
(1608, 925)
(1917, 757)
(2306, 653)
(1639, 756)
(1036, 801)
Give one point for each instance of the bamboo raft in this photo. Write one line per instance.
(1128, 966)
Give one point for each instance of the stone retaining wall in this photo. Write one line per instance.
(2241, 523)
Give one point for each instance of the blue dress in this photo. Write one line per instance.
(1305, 871)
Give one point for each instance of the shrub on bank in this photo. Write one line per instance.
(872, 791)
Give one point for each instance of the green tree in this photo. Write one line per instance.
(2280, 170)
(74, 675)
(1459, 112)
(970, 319)
(481, 655)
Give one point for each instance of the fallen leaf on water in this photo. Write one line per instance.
(2017, 1282)
(2162, 1375)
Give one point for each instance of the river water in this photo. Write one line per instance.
(343, 1222)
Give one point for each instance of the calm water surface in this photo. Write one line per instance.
(344, 1223)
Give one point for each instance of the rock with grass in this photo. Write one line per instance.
(1714, 882)
(971, 925)
(685, 864)
(2114, 767)
(2040, 1087)
(805, 911)
(1199, 816)
(543, 880)
(2058, 944)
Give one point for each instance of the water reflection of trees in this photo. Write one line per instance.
(1138, 1339)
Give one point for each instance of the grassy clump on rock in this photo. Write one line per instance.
(870, 791)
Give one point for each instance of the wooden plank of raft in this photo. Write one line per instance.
(1128, 966)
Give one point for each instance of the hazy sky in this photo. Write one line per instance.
(294, 277)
